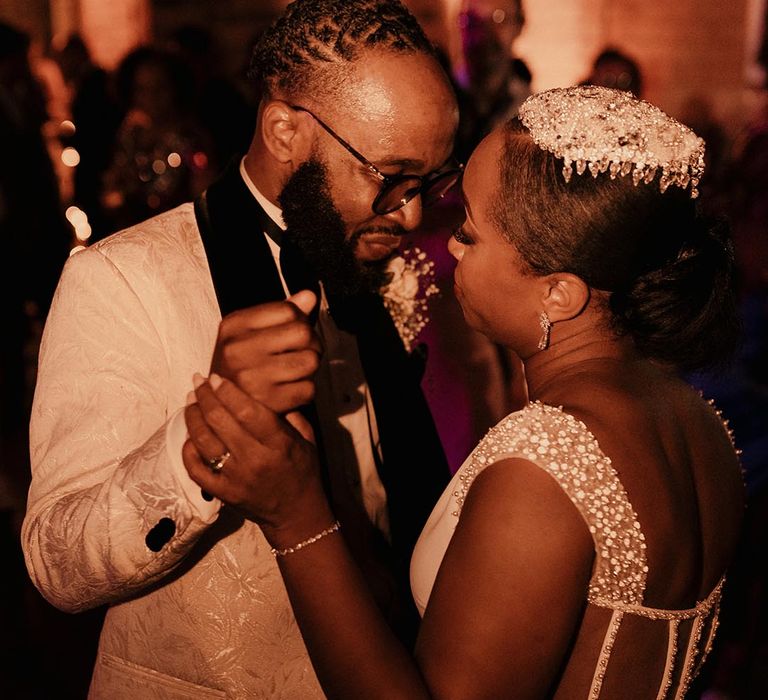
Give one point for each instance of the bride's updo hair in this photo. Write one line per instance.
(668, 269)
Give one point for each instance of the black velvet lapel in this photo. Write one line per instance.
(231, 224)
(243, 270)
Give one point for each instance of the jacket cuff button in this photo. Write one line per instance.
(160, 534)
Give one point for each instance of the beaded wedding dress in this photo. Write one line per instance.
(636, 638)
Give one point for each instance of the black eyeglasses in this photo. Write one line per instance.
(397, 190)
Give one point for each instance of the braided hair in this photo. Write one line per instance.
(292, 56)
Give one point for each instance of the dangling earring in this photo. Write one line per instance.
(546, 328)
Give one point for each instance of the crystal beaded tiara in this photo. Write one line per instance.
(602, 129)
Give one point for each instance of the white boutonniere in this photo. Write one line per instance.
(411, 283)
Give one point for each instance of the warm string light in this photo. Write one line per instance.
(70, 157)
(79, 220)
(67, 128)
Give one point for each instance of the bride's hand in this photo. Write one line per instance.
(271, 474)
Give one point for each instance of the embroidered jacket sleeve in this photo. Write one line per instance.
(111, 509)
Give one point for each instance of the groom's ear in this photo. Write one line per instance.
(566, 296)
(285, 133)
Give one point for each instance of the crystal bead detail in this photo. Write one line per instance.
(564, 447)
(600, 129)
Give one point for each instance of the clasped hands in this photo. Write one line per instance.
(262, 371)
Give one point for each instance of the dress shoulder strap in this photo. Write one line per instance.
(563, 446)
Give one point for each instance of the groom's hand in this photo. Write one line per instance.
(271, 474)
(271, 352)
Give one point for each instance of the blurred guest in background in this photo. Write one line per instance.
(34, 240)
(748, 201)
(34, 234)
(223, 110)
(615, 69)
(96, 116)
(492, 81)
(162, 155)
(698, 113)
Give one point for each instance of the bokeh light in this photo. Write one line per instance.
(70, 157)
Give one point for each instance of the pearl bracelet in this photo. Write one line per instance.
(307, 542)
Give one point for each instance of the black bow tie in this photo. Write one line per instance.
(296, 271)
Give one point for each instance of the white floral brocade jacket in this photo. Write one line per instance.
(197, 607)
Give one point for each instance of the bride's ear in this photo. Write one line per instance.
(565, 296)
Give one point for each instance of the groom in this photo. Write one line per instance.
(353, 136)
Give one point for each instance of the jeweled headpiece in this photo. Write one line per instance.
(602, 129)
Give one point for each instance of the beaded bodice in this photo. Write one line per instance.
(562, 446)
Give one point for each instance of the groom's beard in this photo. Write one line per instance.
(315, 226)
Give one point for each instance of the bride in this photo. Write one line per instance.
(581, 550)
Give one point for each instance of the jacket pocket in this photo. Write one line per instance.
(118, 679)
